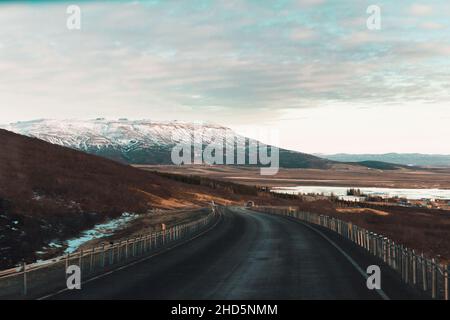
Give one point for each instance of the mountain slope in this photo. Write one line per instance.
(140, 142)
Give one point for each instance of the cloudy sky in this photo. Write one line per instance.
(310, 69)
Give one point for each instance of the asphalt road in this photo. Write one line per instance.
(249, 255)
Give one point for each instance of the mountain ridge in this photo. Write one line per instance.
(140, 141)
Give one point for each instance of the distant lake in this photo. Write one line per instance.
(413, 194)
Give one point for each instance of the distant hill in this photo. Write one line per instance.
(407, 159)
(378, 165)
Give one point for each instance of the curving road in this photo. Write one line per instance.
(249, 255)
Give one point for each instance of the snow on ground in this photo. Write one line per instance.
(99, 231)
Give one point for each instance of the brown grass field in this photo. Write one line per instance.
(340, 175)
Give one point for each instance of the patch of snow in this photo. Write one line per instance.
(36, 196)
(99, 231)
(54, 245)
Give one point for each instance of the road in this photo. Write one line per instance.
(249, 255)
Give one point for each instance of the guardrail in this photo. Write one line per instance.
(37, 279)
(415, 269)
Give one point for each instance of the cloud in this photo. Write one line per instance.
(421, 10)
(225, 61)
(300, 34)
(432, 26)
(309, 3)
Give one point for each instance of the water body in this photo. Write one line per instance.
(413, 194)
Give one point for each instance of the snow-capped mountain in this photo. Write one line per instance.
(122, 133)
(139, 141)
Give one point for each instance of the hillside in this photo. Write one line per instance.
(51, 192)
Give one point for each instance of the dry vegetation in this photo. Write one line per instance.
(340, 175)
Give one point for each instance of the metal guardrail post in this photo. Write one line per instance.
(80, 259)
(367, 241)
(361, 234)
(67, 264)
(424, 273)
(385, 250)
(373, 243)
(402, 260)
(394, 256)
(138, 245)
(25, 282)
(103, 255)
(433, 279)
(446, 288)
(407, 264)
(91, 259)
(119, 250)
